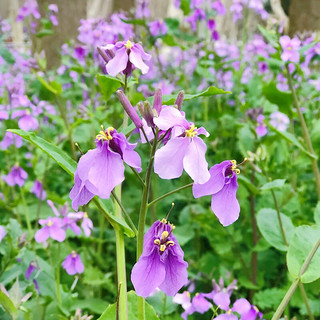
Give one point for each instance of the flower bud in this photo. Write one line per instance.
(157, 101)
(179, 100)
(132, 113)
(106, 54)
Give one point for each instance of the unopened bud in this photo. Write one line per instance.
(157, 101)
(106, 54)
(132, 113)
(179, 100)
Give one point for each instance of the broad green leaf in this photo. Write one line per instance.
(8, 305)
(282, 99)
(249, 185)
(69, 165)
(7, 55)
(170, 99)
(278, 183)
(44, 32)
(108, 85)
(269, 226)
(292, 139)
(269, 298)
(301, 245)
(316, 214)
(110, 312)
(140, 22)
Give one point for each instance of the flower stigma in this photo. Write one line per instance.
(103, 135)
(128, 44)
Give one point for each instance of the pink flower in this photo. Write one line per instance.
(73, 264)
(290, 49)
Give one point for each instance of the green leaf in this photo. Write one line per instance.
(302, 243)
(269, 35)
(278, 183)
(170, 99)
(110, 312)
(70, 166)
(316, 214)
(292, 139)
(7, 55)
(53, 87)
(282, 99)
(269, 298)
(44, 32)
(140, 22)
(8, 305)
(269, 226)
(108, 85)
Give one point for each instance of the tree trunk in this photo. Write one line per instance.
(304, 15)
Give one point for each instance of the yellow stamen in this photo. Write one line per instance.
(157, 241)
(170, 243)
(50, 223)
(162, 247)
(74, 254)
(172, 226)
(164, 235)
(128, 44)
(163, 221)
(234, 167)
(85, 215)
(190, 133)
(105, 135)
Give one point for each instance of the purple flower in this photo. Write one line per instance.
(183, 299)
(3, 233)
(223, 187)
(261, 129)
(30, 7)
(86, 225)
(199, 304)
(9, 139)
(37, 189)
(279, 120)
(198, 14)
(32, 266)
(161, 263)
(16, 176)
(101, 169)
(27, 121)
(219, 7)
(290, 49)
(126, 55)
(185, 147)
(53, 7)
(73, 264)
(142, 10)
(157, 28)
(53, 228)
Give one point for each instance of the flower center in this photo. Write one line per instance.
(74, 254)
(85, 215)
(105, 135)
(50, 223)
(190, 133)
(162, 242)
(129, 44)
(289, 48)
(234, 167)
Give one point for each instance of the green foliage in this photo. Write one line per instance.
(108, 85)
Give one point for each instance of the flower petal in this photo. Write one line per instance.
(222, 299)
(42, 235)
(148, 273)
(170, 117)
(195, 162)
(242, 306)
(224, 204)
(118, 63)
(175, 150)
(215, 183)
(135, 58)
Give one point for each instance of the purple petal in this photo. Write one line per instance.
(170, 117)
(195, 162)
(226, 316)
(148, 273)
(118, 63)
(176, 274)
(241, 306)
(42, 235)
(164, 165)
(57, 233)
(224, 204)
(78, 264)
(215, 183)
(200, 304)
(222, 299)
(136, 59)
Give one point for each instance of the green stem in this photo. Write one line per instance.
(169, 194)
(137, 175)
(305, 131)
(305, 299)
(295, 283)
(142, 219)
(133, 227)
(26, 211)
(279, 218)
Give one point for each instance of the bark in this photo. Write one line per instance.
(304, 16)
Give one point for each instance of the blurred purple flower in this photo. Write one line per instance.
(101, 169)
(126, 55)
(53, 18)
(32, 267)
(30, 7)
(53, 228)
(290, 49)
(183, 299)
(195, 4)
(73, 264)
(261, 129)
(16, 176)
(199, 304)
(223, 187)
(185, 147)
(198, 14)
(219, 7)
(9, 139)
(53, 7)
(37, 189)
(158, 28)
(279, 120)
(142, 9)
(161, 263)
(3, 233)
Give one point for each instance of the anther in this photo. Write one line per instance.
(157, 242)
(164, 235)
(162, 247)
